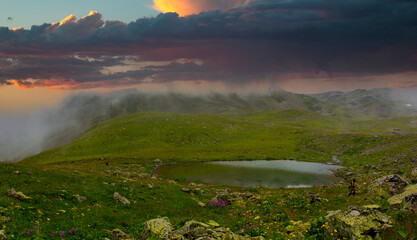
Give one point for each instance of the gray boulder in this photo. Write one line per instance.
(80, 198)
(121, 199)
(18, 195)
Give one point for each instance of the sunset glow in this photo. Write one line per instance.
(188, 7)
(70, 18)
(181, 7)
(290, 44)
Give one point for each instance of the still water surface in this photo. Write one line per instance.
(272, 174)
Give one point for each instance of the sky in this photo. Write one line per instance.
(51, 49)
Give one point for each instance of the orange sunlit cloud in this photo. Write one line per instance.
(17, 29)
(23, 86)
(70, 18)
(52, 84)
(188, 7)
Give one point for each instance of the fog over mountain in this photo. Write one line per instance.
(22, 135)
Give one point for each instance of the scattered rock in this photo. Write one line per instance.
(3, 235)
(193, 185)
(344, 173)
(358, 223)
(414, 173)
(143, 175)
(394, 183)
(370, 166)
(18, 195)
(223, 197)
(192, 230)
(16, 173)
(121, 199)
(201, 204)
(197, 191)
(150, 185)
(297, 229)
(408, 197)
(313, 197)
(80, 198)
(159, 227)
(336, 160)
(4, 219)
(236, 198)
(172, 182)
(119, 234)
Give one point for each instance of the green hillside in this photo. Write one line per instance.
(72, 187)
(287, 134)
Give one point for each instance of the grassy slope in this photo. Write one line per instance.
(131, 143)
(290, 134)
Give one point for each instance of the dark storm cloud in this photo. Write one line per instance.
(265, 38)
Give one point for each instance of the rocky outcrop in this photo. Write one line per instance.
(235, 198)
(18, 195)
(160, 228)
(192, 230)
(394, 184)
(121, 199)
(364, 223)
(408, 198)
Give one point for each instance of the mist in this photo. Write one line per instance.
(29, 133)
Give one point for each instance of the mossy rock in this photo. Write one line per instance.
(404, 197)
(159, 227)
(358, 223)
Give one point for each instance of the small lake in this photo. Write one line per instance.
(272, 174)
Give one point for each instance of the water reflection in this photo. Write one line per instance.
(273, 174)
